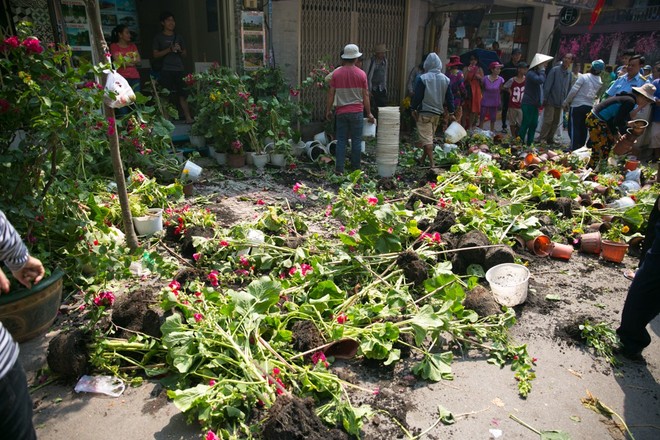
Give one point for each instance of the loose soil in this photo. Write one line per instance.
(562, 294)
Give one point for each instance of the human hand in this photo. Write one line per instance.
(4, 282)
(371, 118)
(31, 273)
(328, 115)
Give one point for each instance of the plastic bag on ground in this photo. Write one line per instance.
(108, 385)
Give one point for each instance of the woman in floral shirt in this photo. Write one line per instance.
(456, 83)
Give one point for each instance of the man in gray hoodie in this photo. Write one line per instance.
(555, 90)
(432, 94)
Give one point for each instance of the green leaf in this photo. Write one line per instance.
(555, 435)
(435, 367)
(189, 397)
(394, 356)
(446, 417)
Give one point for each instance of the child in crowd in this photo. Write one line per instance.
(516, 88)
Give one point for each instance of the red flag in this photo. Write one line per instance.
(596, 12)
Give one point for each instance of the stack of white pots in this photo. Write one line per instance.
(387, 141)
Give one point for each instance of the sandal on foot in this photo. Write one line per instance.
(629, 274)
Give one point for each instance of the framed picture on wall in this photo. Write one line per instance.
(253, 39)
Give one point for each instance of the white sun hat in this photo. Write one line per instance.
(539, 58)
(351, 51)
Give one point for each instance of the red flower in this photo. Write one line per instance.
(32, 45)
(4, 106)
(293, 270)
(174, 285)
(224, 243)
(211, 436)
(305, 268)
(260, 202)
(373, 201)
(276, 371)
(105, 299)
(244, 261)
(297, 187)
(111, 126)
(198, 317)
(196, 256)
(294, 92)
(341, 318)
(212, 382)
(12, 42)
(213, 278)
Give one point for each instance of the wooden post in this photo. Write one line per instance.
(100, 46)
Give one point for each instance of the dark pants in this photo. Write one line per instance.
(578, 126)
(505, 107)
(643, 301)
(15, 406)
(379, 99)
(349, 125)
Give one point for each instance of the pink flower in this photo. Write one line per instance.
(213, 278)
(276, 371)
(373, 201)
(111, 126)
(376, 391)
(297, 187)
(242, 272)
(282, 275)
(352, 232)
(196, 256)
(432, 185)
(105, 299)
(12, 42)
(260, 202)
(328, 210)
(305, 268)
(174, 285)
(32, 45)
(342, 228)
(293, 270)
(294, 92)
(341, 318)
(212, 382)
(198, 317)
(211, 436)
(224, 243)
(319, 356)
(198, 294)
(244, 261)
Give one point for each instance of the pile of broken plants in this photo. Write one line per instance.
(267, 306)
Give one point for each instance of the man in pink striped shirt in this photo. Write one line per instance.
(349, 85)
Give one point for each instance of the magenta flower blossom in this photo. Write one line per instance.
(328, 210)
(211, 436)
(297, 187)
(352, 232)
(319, 356)
(242, 272)
(341, 318)
(12, 42)
(260, 202)
(196, 256)
(174, 285)
(105, 299)
(213, 278)
(373, 201)
(244, 261)
(224, 243)
(342, 228)
(111, 126)
(32, 45)
(198, 317)
(305, 268)
(293, 270)
(212, 382)
(276, 371)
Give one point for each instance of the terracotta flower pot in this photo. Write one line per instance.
(590, 243)
(236, 160)
(540, 246)
(554, 173)
(631, 164)
(625, 144)
(531, 159)
(613, 251)
(561, 251)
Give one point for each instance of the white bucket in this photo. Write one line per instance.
(194, 171)
(368, 129)
(297, 148)
(278, 159)
(454, 133)
(509, 283)
(386, 170)
(321, 137)
(314, 150)
(150, 223)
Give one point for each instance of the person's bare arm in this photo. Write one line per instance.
(329, 102)
(367, 105)
(31, 273)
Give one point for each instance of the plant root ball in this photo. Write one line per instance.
(475, 239)
(292, 418)
(187, 248)
(132, 311)
(481, 301)
(498, 255)
(414, 269)
(423, 194)
(386, 184)
(67, 354)
(561, 205)
(306, 336)
(444, 220)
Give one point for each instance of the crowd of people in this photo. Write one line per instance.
(595, 108)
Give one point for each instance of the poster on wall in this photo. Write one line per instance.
(253, 39)
(113, 13)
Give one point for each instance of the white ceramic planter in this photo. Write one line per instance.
(221, 158)
(150, 223)
(278, 159)
(259, 160)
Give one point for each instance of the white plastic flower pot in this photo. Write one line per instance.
(259, 160)
(321, 137)
(454, 133)
(221, 158)
(150, 223)
(509, 283)
(194, 171)
(368, 129)
(278, 160)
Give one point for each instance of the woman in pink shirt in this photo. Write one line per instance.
(491, 99)
(125, 53)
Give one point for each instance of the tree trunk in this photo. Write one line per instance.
(101, 49)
